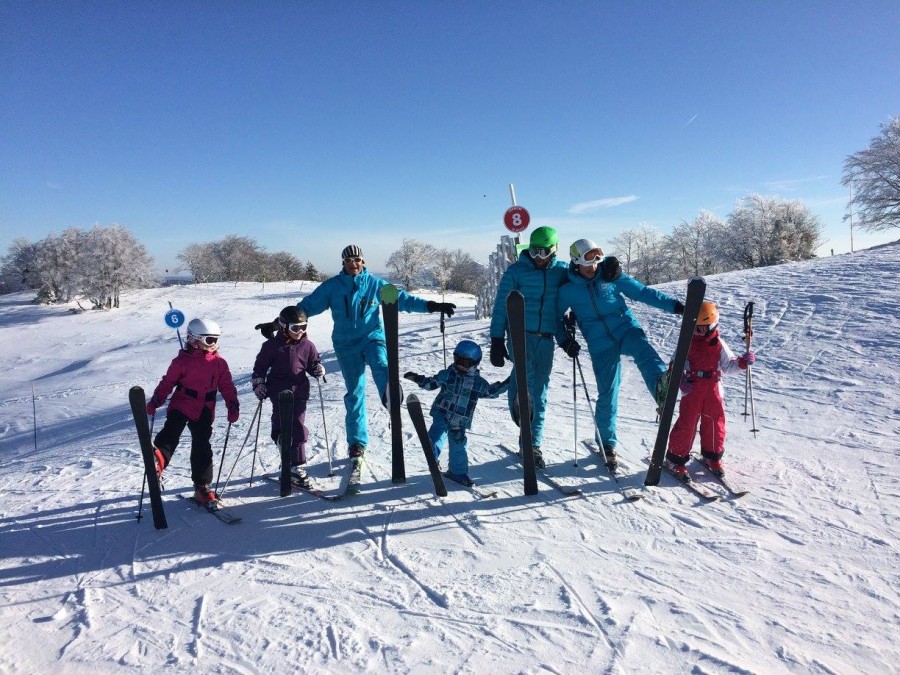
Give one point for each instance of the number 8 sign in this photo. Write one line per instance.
(516, 218)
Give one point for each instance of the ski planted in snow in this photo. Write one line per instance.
(286, 416)
(138, 402)
(477, 491)
(515, 313)
(215, 508)
(546, 474)
(352, 477)
(695, 292)
(721, 477)
(614, 471)
(390, 313)
(414, 408)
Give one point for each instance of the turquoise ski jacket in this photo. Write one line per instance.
(540, 288)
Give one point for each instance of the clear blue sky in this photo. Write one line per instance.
(310, 125)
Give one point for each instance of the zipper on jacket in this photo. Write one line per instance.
(592, 291)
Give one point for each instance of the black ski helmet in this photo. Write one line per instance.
(291, 315)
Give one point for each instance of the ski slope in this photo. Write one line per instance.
(799, 576)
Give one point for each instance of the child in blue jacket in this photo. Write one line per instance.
(452, 411)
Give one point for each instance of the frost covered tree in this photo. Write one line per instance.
(650, 263)
(691, 247)
(625, 246)
(113, 260)
(17, 267)
(874, 174)
(765, 231)
(411, 262)
(467, 276)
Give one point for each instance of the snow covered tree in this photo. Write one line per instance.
(765, 231)
(690, 248)
(625, 248)
(411, 261)
(468, 276)
(17, 267)
(282, 266)
(113, 260)
(874, 175)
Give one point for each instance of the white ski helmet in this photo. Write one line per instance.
(581, 248)
(197, 329)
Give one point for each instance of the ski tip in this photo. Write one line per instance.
(389, 294)
(411, 398)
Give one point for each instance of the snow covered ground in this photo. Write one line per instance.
(799, 576)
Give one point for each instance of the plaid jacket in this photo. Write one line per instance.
(460, 393)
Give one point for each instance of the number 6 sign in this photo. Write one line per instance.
(516, 218)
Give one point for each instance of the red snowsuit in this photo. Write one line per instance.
(196, 375)
(708, 359)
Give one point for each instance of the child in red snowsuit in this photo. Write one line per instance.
(196, 375)
(709, 358)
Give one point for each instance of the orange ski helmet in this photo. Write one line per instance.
(709, 315)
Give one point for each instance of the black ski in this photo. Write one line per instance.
(414, 408)
(216, 509)
(547, 475)
(515, 312)
(722, 479)
(695, 292)
(139, 410)
(315, 491)
(692, 485)
(286, 415)
(390, 311)
(614, 471)
(477, 491)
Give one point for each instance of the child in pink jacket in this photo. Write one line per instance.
(196, 375)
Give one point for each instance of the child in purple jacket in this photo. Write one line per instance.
(282, 364)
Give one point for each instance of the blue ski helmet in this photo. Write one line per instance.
(468, 350)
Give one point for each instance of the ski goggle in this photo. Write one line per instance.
(208, 340)
(705, 329)
(297, 327)
(590, 258)
(542, 252)
(464, 362)
(356, 260)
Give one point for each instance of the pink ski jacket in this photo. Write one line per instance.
(196, 376)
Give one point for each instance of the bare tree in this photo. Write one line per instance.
(411, 261)
(625, 246)
(874, 174)
(690, 248)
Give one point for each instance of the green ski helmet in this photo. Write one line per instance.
(543, 243)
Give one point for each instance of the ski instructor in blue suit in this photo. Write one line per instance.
(537, 275)
(596, 294)
(354, 298)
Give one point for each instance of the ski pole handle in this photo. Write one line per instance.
(748, 324)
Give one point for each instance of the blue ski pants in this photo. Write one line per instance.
(438, 433)
(353, 360)
(538, 364)
(607, 365)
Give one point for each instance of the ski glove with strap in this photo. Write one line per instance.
(679, 307)
(414, 377)
(685, 385)
(747, 359)
(153, 405)
(234, 410)
(444, 307)
(499, 355)
(259, 387)
(318, 370)
(571, 347)
(610, 270)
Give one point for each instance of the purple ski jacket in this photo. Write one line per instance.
(284, 364)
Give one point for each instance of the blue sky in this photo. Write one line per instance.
(311, 125)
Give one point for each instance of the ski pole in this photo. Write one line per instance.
(224, 447)
(748, 381)
(325, 424)
(575, 411)
(590, 404)
(240, 451)
(256, 440)
(444, 338)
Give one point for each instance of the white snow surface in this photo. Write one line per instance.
(799, 576)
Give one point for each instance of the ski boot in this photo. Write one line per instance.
(461, 478)
(300, 479)
(609, 453)
(203, 494)
(538, 458)
(356, 450)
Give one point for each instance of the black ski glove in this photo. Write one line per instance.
(571, 347)
(610, 270)
(679, 307)
(414, 377)
(499, 355)
(445, 307)
(267, 329)
(569, 321)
